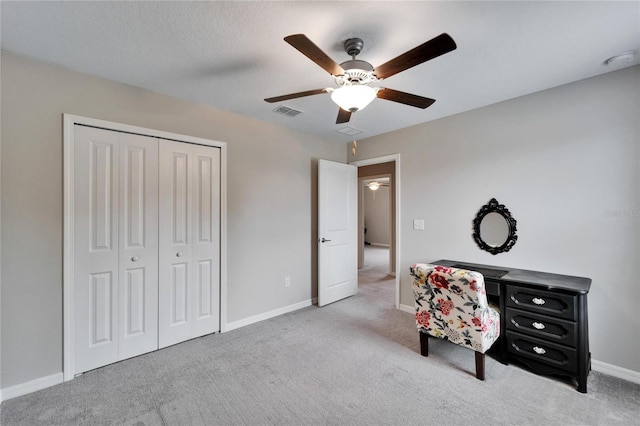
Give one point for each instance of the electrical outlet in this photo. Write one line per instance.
(287, 281)
(418, 224)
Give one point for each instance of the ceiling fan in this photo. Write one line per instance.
(354, 78)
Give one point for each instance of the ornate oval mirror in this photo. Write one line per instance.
(494, 230)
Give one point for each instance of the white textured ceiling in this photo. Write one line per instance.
(231, 55)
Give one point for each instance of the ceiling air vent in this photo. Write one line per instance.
(351, 131)
(285, 110)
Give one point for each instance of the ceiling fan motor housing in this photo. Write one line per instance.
(355, 70)
(353, 46)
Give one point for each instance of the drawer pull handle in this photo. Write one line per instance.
(539, 350)
(538, 325)
(538, 301)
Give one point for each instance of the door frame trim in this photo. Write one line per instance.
(68, 285)
(385, 159)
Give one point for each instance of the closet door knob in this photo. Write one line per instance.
(178, 254)
(134, 259)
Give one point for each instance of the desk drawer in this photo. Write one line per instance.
(549, 328)
(557, 356)
(543, 302)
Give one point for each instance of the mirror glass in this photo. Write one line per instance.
(494, 229)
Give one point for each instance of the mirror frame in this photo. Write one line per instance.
(494, 207)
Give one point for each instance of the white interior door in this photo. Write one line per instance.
(115, 240)
(189, 219)
(337, 231)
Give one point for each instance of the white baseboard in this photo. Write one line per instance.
(57, 378)
(615, 371)
(407, 308)
(267, 315)
(30, 386)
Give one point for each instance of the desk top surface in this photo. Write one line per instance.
(522, 276)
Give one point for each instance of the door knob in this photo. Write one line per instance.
(134, 259)
(324, 240)
(178, 254)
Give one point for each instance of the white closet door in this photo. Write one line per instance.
(96, 248)
(206, 240)
(115, 246)
(138, 248)
(189, 220)
(175, 197)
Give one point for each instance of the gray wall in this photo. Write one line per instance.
(271, 202)
(565, 161)
(377, 218)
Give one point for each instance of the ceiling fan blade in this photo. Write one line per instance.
(431, 49)
(313, 52)
(405, 98)
(343, 116)
(296, 95)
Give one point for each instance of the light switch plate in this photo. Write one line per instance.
(418, 224)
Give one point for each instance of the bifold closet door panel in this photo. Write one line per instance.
(138, 248)
(175, 200)
(189, 246)
(95, 247)
(206, 240)
(115, 246)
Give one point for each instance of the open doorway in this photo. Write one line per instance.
(377, 224)
(376, 221)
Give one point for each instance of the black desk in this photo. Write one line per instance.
(543, 318)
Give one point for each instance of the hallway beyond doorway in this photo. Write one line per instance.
(376, 259)
(374, 279)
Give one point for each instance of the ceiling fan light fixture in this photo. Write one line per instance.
(374, 185)
(353, 97)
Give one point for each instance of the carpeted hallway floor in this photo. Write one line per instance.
(354, 362)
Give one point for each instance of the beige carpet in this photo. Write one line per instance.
(354, 362)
